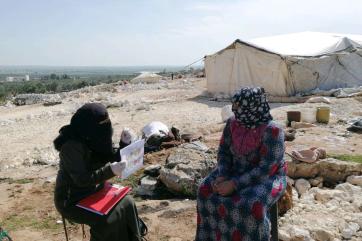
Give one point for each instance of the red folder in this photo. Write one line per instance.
(105, 199)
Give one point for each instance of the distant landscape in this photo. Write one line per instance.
(52, 79)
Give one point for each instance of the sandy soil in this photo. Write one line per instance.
(26, 184)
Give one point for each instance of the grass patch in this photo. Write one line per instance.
(16, 222)
(131, 181)
(20, 181)
(347, 157)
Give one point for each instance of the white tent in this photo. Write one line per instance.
(286, 65)
(147, 77)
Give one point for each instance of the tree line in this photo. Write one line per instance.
(54, 84)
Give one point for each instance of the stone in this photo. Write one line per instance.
(355, 180)
(302, 169)
(302, 186)
(283, 235)
(350, 230)
(299, 234)
(153, 170)
(350, 189)
(331, 170)
(325, 195)
(147, 186)
(196, 145)
(290, 181)
(185, 168)
(322, 235)
(295, 194)
(315, 182)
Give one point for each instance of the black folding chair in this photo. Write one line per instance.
(65, 229)
(274, 222)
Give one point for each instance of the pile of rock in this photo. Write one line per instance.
(327, 200)
(30, 99)
(324, 214)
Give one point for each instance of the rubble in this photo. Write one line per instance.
(30, 99)
(324, 214)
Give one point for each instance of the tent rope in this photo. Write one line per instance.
(193, 63)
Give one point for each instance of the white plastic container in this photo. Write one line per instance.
(309, 115)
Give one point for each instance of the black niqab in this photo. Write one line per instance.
(91, 125)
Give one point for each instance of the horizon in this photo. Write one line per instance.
(154, 32)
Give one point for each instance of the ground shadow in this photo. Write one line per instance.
(219, 103)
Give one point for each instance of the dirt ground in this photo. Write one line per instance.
(27, 179)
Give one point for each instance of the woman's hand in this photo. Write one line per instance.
(225, 188)
(216, 182)
(118, 168)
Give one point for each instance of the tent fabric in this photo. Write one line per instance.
(308, 43)
(146, 77)
(286, 69)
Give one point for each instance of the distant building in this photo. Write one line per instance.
(10, 79)
(17, 78)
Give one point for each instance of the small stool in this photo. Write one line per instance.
(65, 229)
(274, 222)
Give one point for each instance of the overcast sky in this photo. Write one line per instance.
(154, 32)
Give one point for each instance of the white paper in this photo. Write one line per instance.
(132, 155)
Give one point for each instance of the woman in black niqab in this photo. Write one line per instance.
(87, 160)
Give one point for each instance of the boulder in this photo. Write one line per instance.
(185, 168)
(331, 170)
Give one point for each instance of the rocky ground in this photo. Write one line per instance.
(327, 195)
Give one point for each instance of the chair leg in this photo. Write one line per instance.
(65, 229)
(83, 231)
(274, 222)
